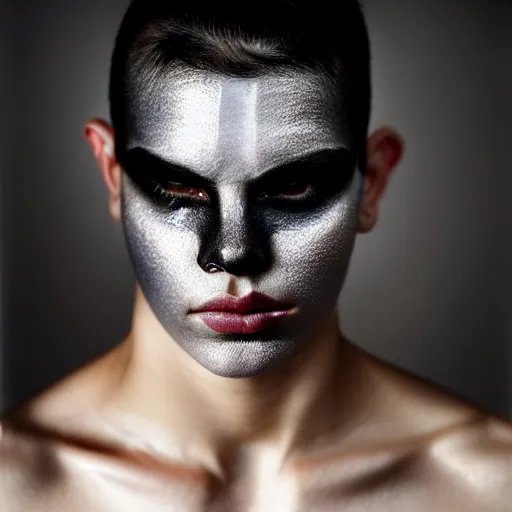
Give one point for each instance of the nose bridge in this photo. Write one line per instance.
(238, 244)
(235, 227)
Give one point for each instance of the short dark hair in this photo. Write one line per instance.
(245, 39)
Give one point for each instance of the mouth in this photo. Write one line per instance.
(252, 313)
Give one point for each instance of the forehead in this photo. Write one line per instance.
(215, 124)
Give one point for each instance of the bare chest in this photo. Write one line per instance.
(398, 484)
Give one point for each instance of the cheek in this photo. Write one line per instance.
(163, 249)
(312, 260)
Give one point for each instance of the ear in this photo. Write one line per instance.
(100, 136)
(384, 151)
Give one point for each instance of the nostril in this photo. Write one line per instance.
(240, 250)
(212, 268)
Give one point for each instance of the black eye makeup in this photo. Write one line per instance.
(300, 185)
(306, 183)
(167, 184)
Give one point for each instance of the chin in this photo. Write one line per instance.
(241, 359)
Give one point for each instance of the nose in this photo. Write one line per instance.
(235, 242)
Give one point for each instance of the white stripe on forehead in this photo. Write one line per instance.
(238, 121)
(216, 124)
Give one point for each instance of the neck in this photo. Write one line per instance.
(286, 407)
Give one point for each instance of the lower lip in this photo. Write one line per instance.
(233, 323)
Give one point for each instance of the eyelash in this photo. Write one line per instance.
(305, 196)
(159, 189)
(173, 196)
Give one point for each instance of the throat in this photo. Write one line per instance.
(209, 417)
(272, 406)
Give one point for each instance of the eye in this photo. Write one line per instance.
(174, 189)
(296, 189)
(290, 190)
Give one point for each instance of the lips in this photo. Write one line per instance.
(228, 314)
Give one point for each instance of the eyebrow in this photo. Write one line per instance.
(140, 160)
(327, 159)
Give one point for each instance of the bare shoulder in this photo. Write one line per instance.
(457, 447)
(31, 435)
(29, 469)
(476, 458)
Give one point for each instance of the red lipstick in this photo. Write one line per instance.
(254, 312)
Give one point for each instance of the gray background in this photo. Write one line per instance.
(430, 289)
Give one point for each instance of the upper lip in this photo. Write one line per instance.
(254, 302)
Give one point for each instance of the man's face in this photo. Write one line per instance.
(233, 186)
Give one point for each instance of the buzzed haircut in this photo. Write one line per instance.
(245, 39)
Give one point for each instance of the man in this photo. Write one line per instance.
(239, 165)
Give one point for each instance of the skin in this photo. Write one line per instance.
(237, 138)
(155, 425)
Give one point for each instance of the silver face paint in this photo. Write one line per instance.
(230, 132)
